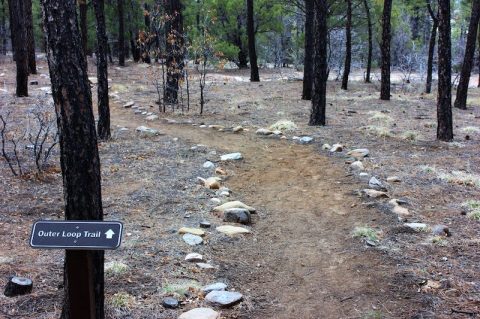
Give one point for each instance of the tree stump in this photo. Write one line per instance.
(18, 286)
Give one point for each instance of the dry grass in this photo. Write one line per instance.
(378, 131)
(284, 126)
(366, 232)
(411, 136)
(380, 117)
(461, 178)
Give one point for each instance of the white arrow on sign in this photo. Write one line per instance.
(109, 234)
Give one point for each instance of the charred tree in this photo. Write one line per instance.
(32, 64)
(103, 126)
(174, 50)
(462, 89)
(385, 48)
(121, 33)
(431, 47)
(320, 75)
(3, 29)
(444, 99)
(309, 47)
(348, 46)
(370, 42)
(84, 270)
(19, 36)
(252, 52)
(82, 6)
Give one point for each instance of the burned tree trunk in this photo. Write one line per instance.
(431, 47)
(17, 286)
(19, 44)
(252, 52)
(103, 126)
(82, 4)
(462, 89)
(309, 47)
(348, 48)
(121, 33)
(32, 65)
(370, 42)
(84, 270)
(385, 48)
(174, 50)
(444, 99)
(320, 74)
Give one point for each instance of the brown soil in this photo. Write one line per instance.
(301, 260)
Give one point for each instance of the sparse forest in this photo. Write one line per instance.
(266, 158)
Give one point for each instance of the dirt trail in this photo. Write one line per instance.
(302, 261)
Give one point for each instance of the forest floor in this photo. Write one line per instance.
(301, 258)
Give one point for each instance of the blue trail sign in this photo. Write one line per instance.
(76, 234)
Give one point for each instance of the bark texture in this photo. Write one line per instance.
(175, 50)
(444, 99)
(103, 126)
(19, 36)
(317, 116)
(121, 33)
(32, 64)
(252, 52)
(431, 47)
(462, 89)
(385, 48)
(84, 270)
(309, 47)
(348, 46)
(82, 4)
(370, 42)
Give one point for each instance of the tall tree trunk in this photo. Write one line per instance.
(3, 29)
(370, 42)
(444, 99)
(309, 47)
(462, 89)
(133, 34)
(103, 126)
(385, 48)
(19, 44)
(431, 47)
(146, 42)
(478, 39)
(320, 75)
(84, 269)
(82, 4)
(32, 65)
(174, 50)
(254, 76)
(121, 33)
(348, 48)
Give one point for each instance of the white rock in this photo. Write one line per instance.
(200, 313)
(208, 165)
(231, 157)
(277, 132)
(205, 266)
(128, 104)
(219, 286)
(357, 165)
(306, 140)
(336, 148)
(151, 117)
(192, 240)
(232, 230)
(237, 129)
(216, 200)
(359, 153)
(146, 130)
(416, 226)
(374, 193)
(203, 126)
(393, 179)
(233, 204)
(326, 147)
(194, 257)
(224, 298)
(375, 183)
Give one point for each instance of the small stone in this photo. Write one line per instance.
(224, 194)
(221, 171)
(93, 80)
(278, 133)
(305, 140)
(194, 257)
(129, 104)
(211, 182)
(208, 165)
(232, 230)
(144, 113)
(151, 117)
(237, 129)
(147, 131)
(393, 179)
(205, 224)
(336, 148)
(441, 230)
(401, 212)
(416, 226)
(376, 184)
(357, 166)
(205, 266)
(224, 298)
(234, 204)
(237, 215)
(203, 126)
(219, 286)
(215, 200)
(326, 147)
(192, 240)
(33, 82)
(217, 127)
(231, 157)
(200, 313)
(170, 303)
(263, 131)
(359, 153)
(137, 112)
(193, 231)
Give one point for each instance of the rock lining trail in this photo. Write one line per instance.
(303, 261)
